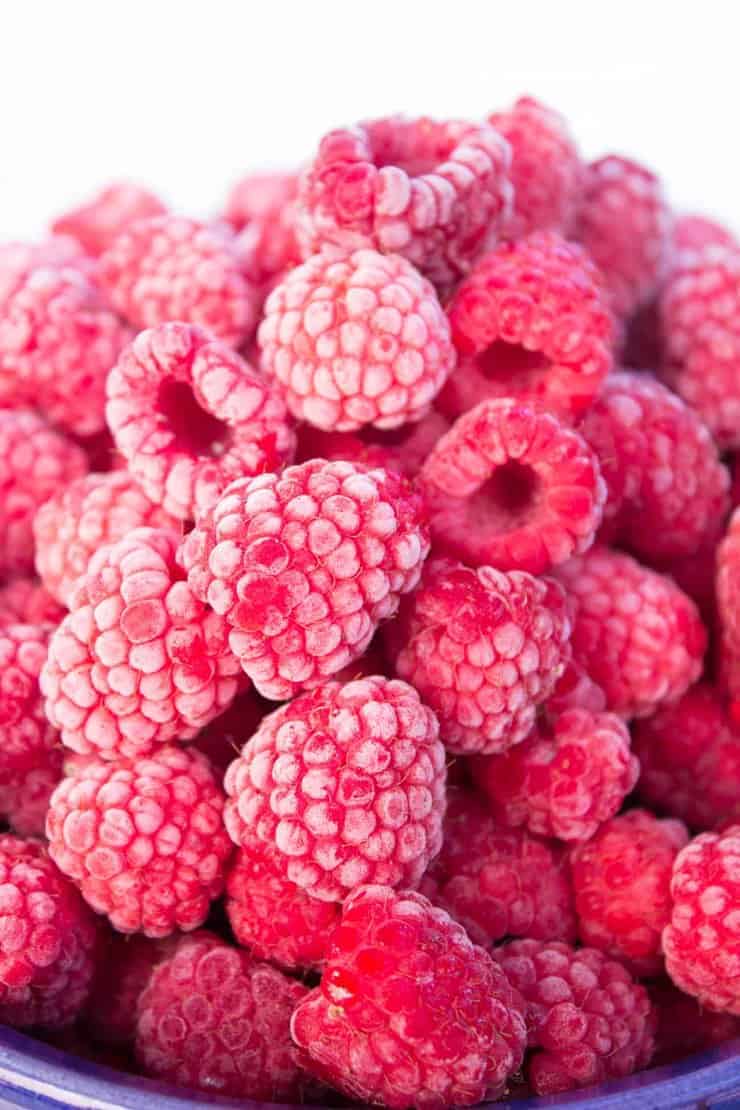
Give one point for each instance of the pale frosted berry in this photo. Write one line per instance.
(97, 222)
(402, 449)
(262, 207)
(122, 976)
(26, 601)
(693, 232)
(259, 194)
(25, 733)
(728, 606)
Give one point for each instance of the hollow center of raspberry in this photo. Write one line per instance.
(196, 431)
(508, 362)
(508, 498)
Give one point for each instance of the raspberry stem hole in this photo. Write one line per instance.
(508, 497)
(196, 431)
(511, 363)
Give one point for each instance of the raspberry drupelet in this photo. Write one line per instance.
(304, 566)
(347, 783)
(122, 975)
(25, 734)
(512, 487)
(26, 601)
(410, 1013)
(401, 449)
(484, 648)
(98, 221)
(728, 608)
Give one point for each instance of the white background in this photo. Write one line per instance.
(184, 97)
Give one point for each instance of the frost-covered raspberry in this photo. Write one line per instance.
(684, 1026)
(634, 632)
(139, 660)
(122, 976)
(48, 941)
(530, 323)
(25, 601)
(25, 794)
(512, 487)
(347, 783)
(305, 566)
(25, 733)
(262, 207)
(587, 1019)
(143, 839)
(371, 1030)
(693, 232)
(484, 649)
(401, 449)
(259, 194)
(214, 1019)
(728, 606)
(97, 222)
(563, 780)
(190, 416)
(356, 339)
(575, 690)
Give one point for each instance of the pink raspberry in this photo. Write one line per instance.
(634, 632)
(587, 1019)
(575, 690)
(25, 601)
(693, 232)
(621, 880)
(563, 780)
(401, 449)
(434, 192)
(190, 416)
(123, 975)
(306, 565)
(25, 734)
(56, 251)
(409, 1013)
(142, 839)
(484, 649)
(512, 487)
(685, 1027)
(25, 794)
(218, 1021)
(355, 339)
(259, 194)
(728, 606)
(347, 783)
(97, 222)
(139, 661)
(262, 207)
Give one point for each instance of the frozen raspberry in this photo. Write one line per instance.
(96, 223)
(123, 975)
(634, 632)
(575, 690)
(685, 1027)
(409, 1013)
(142, 839)
(48, 941)
(25, 794)
(510, 486)
(587, 1019)
(25, 733)
(138, 661)
(306, 565)
(484, 649)
(499, 882)
(171, 268)
(702, 941)
(531, 323)
(356, 339)
(347, 783)
(214, 1019)
(546, 168)
(434, 192)
(35, 462)
(223, 739)
(25, 601)
(259, 195)
(402, 449)
(621, 880)
(563, 780)
(190, 416)
(692, 232)
(17, 258)
(262, 207)
(728, 606)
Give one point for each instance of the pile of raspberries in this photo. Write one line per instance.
(370, 624)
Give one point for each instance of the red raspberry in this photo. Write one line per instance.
(97, 222)
(401, 449)
(562, 781)
(587, 1019)
(306, 565)
(409, 1013)
(190, 416)
(25, 794)
(499, 882)
(347, 783)
(684, 1027)
(434, 192)
(123, 975)
(171, 268)
(634, 632)
(484, 649)
(25, 733)
(262, 206)
(215, 1020)
(621, 880)
(692, 232)
(25, 601)
(702, 942)
(356, 339)
(17, 258)
(728, 607)
(223, 739)
(575, 690)
(48, 941)
(531, 323)
(143, 839)
(512, 487)
(259, 194)
(138, 661)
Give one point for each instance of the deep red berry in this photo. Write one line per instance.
(224, 737)
(97, 222)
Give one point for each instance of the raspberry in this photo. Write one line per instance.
(587, 1019)
(259, 195)
(356, 339)
(213, 1019)
(702, 941)
(25, 734)
(142, 839)
(512, 487)
(684, 1027)
(434, 192)
(138, 661)
(575, 690)
(96, 223)
(49, 941)
(25, 601)
(531, 323)
(621, 880)
(25, 794)
(171, 268)
(35, 462)
(306, 565)
(634, 632)
(347, 783)
(401, 449)
(484, 649)
(728, 605)
(110, 1014)
(17, 258)
(409, 1013)
(499, 882)
(190, 416)
(562, 781)
(692, 232)
(262, 206)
